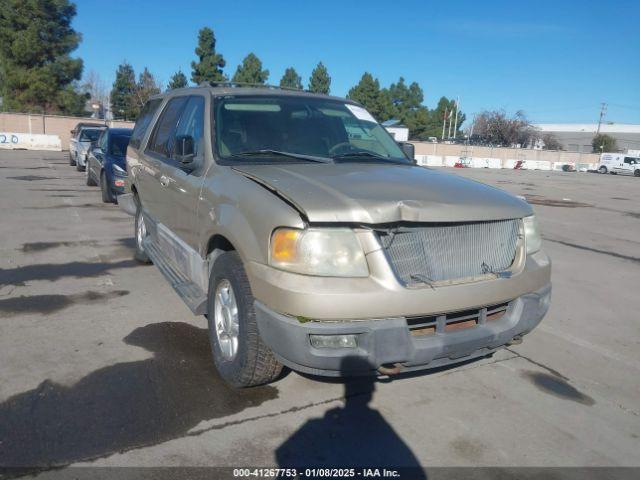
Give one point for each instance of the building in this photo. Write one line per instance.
(399, 132)
(577, 137)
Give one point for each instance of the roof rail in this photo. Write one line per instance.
(246, 84)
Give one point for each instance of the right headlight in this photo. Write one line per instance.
(326, 252)
(532, 235)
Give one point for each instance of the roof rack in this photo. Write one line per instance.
(246, 84)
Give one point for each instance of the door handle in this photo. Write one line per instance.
(164, 181)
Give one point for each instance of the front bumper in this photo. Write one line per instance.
(389, 341)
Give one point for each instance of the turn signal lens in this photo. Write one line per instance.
(284, 244)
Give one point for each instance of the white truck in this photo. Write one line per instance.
(621, 163)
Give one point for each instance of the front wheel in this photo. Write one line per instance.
(72, 161)
(90, 181)
(79, 167)
(240, 355)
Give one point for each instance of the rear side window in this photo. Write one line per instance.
(146, 115)
(166, 125)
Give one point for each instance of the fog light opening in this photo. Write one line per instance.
(333, 341)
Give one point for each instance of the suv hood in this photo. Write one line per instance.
(374, 193)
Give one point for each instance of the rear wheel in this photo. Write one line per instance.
(107, 193)
(602, 169)
(636, 173)
(240, 355)
(141, 233)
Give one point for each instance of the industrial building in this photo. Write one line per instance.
(577, 137)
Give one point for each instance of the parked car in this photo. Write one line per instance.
(106, 164)
(619, 163)
(308, 236)
(80, 143)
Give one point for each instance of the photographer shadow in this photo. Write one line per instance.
(351, 436)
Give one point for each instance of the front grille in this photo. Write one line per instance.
(420, 326)
(450, 251)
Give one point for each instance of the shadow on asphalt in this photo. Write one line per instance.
(355, 435)
(55, 271)
(123, 406)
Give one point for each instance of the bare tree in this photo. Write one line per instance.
(551, 142)
(498, 129)
(96, 87)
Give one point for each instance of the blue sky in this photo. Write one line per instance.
(555, 60)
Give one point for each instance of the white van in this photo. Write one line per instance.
(621, 163)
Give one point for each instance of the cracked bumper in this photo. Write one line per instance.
(389, 341)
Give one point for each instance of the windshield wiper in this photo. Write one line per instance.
(364, 153)
(279, 153)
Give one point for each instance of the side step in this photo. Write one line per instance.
(190, 293)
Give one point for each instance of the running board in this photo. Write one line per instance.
(190, 293)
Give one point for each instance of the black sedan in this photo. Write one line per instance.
(106, 165)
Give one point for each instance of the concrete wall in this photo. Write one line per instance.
(48, 124)
(494, 157)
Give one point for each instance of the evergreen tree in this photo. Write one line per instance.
(178, 80)
(147, 87)
(320, 81)
(375, 100)
(291, 79)
(250, 71)
(37, 71)
(124, 104)
(210, 64)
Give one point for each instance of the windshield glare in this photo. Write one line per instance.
(300, 125)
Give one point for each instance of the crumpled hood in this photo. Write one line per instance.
(375, 193)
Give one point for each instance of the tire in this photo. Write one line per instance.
(107, 194)
(140, 254)
(602, 169)
(636, 173)
(72, 160)
(79, 167)
(90, 181)
(253, 362)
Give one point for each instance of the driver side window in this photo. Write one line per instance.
(192, 123)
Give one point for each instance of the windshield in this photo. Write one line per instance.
(283, 128)
(90, 134)
(119, 145)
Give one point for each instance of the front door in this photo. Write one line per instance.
(182, 183)
(153, 189)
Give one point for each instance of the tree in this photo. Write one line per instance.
(406, 98)
(291, 79)
(94, 86)
(250, 71)
(444, 114)
(320, 81)
(497, 129)
(376, 101)
(604, 143)
(210, 64)
(551, 142)
(178, 80)
(37, 71)
(146, 88)
(123, 94)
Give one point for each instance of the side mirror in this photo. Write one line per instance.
(183, 150)
(409, 150)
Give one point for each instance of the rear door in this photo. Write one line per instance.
(182, 184)
(152, 189)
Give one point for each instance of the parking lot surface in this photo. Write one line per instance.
(102, 364)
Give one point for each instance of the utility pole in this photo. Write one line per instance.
(450, 122)
(603, 111)
(455, 127)
(444, 121)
